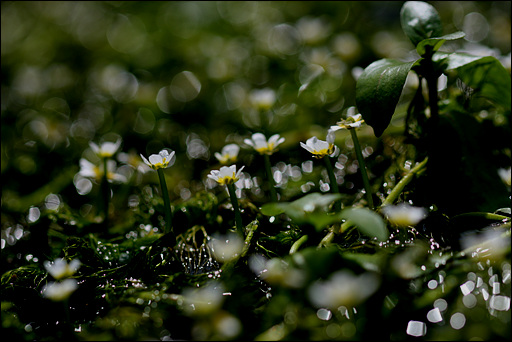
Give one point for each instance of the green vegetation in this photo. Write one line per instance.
(255, 170)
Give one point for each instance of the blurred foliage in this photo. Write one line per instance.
(184, 75)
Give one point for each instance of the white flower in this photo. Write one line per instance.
(351, 122)
(226, 175)
(162, 160)
(343, 288)
(226, 247)
(90, 170)
(228, 155)
(106, 149)
(319, 148)
(277, 271)
(263, 98)
(403, 214)
(204, 300)
(59, 291)
(259, 142)
(60, 269)
(505, 175)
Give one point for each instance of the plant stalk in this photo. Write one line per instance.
(332, 180)
(296, 245)
(234, 202)
(397, 190)
(167, 204)
(362, 167)
(271, 183)
(105, 192)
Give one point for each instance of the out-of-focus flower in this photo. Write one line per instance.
(505, 175)
(90, 170)
(59, 291)
(277, 271)
(203, 301)
(343, 288)
(403, 214)
(226, 175)
(60, 269)
(106, 149)
(262, 99)
(162, 160)
(259, 142)
(228, 155)
(226, 247)
(319, 148)
(351, 122)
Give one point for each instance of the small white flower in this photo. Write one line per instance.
(403, 214)
(351, 122)
(90, 170)
(343, 288)
(226, 247)
(203, 301)
(319, 148)
(263, 98)
(277, 271)
(60, 269)
(259, 142)
(162, 160)
(505, 175)
(59, 291)
(228, 155)
(226, 175)
(106, 149)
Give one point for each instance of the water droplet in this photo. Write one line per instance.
(458, 320)
(416, 328)
(434, 315)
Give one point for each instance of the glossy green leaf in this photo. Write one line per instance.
(310, 209)
(436, 43)
(420, 21)
(378, 90)
(486, 75)
(367, 221)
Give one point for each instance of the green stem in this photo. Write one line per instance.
(105, 192)
(167, 204)
(362, 167)
(332, 180)
(272, 185)
(397, 190)
(234, 202)
(296, 245)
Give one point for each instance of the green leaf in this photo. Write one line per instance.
(436, 43)
(420, 21)
(273, 209)
(310, 209)
(378, 90)
(367, 221)
(485, 74)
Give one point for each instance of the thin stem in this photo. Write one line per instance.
(332, 180)
(397, 190)
(105, 192)
(234, 202)
(167, 204)
(296, 245)
(362, 167)
(272, 185)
